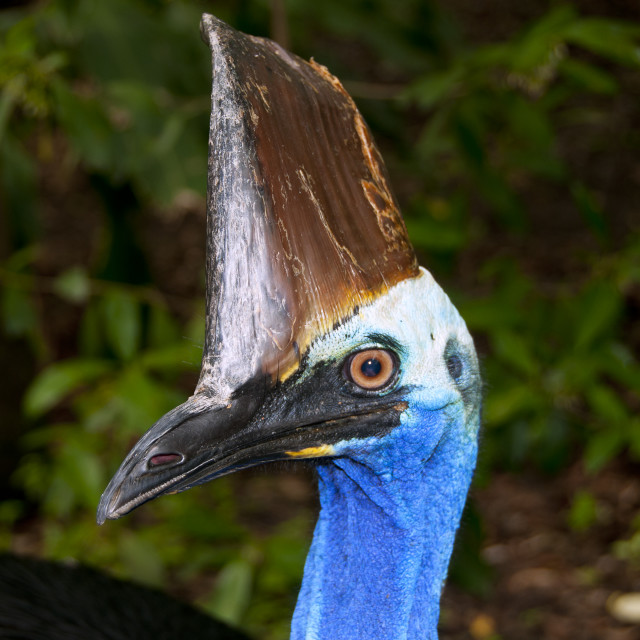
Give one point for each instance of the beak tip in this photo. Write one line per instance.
(102, 515)
(109, 507)
(105, 512)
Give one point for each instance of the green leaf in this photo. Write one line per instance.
(163, 329)
(601, 448)
(18, 312)
(487, 314)
(534, 54)
(87, 126)
(506, 405)
(628, 550)
(172, 358)
(583, 513)
(469, 135)
(553, 24)
(82, 470)
(142, 400)
(598, 312)
(438, 224)
(60, 379)
(232, 593)
(607, 405)
(531, 123)
(11, 511)
(435, 138)
(59, 498)
(434, 87)
(73, 285)
(615, 40)
(142, 560)
(515, 350)
(589, 76)
(618, 363)
(123, 322)
(432, 235)
(200, 524)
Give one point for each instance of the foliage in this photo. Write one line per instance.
(630, 549)
(584, 511)
(117, 92)
(565, 376)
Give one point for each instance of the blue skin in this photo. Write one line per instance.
(382, 544)
(390, 506)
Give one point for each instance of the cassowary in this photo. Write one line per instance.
(324, 340)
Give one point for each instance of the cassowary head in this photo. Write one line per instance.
(324, 338)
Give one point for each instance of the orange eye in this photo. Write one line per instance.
(371, 369)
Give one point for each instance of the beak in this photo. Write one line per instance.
(187, 446)
(197, 442)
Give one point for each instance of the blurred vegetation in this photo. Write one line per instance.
(104, 111)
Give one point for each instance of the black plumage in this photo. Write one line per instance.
(42, 600)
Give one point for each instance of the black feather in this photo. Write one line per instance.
(42, 600)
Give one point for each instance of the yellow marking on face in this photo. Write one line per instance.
(289, 371)
(312, 452)
(338, 311)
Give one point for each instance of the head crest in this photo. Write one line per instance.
(302, 225)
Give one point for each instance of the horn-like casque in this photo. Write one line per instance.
(302, 226)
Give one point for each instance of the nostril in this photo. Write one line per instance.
(163, 458)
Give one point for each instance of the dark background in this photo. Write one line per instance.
(511, 132)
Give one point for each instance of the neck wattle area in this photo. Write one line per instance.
(382, 545)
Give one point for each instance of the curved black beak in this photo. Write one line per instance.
(191, 444)
(194, 443)
(201, 440)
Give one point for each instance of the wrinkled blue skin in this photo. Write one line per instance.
(386, 530)
(390, 506)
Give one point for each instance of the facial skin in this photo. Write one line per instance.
(417, 317)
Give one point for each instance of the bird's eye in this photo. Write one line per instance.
(372, 369)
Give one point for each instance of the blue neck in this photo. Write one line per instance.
(382, 544)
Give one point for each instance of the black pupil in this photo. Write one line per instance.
(371, 367)
(454, 364)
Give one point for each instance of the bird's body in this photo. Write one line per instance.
(42, 600)
(324, 341)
